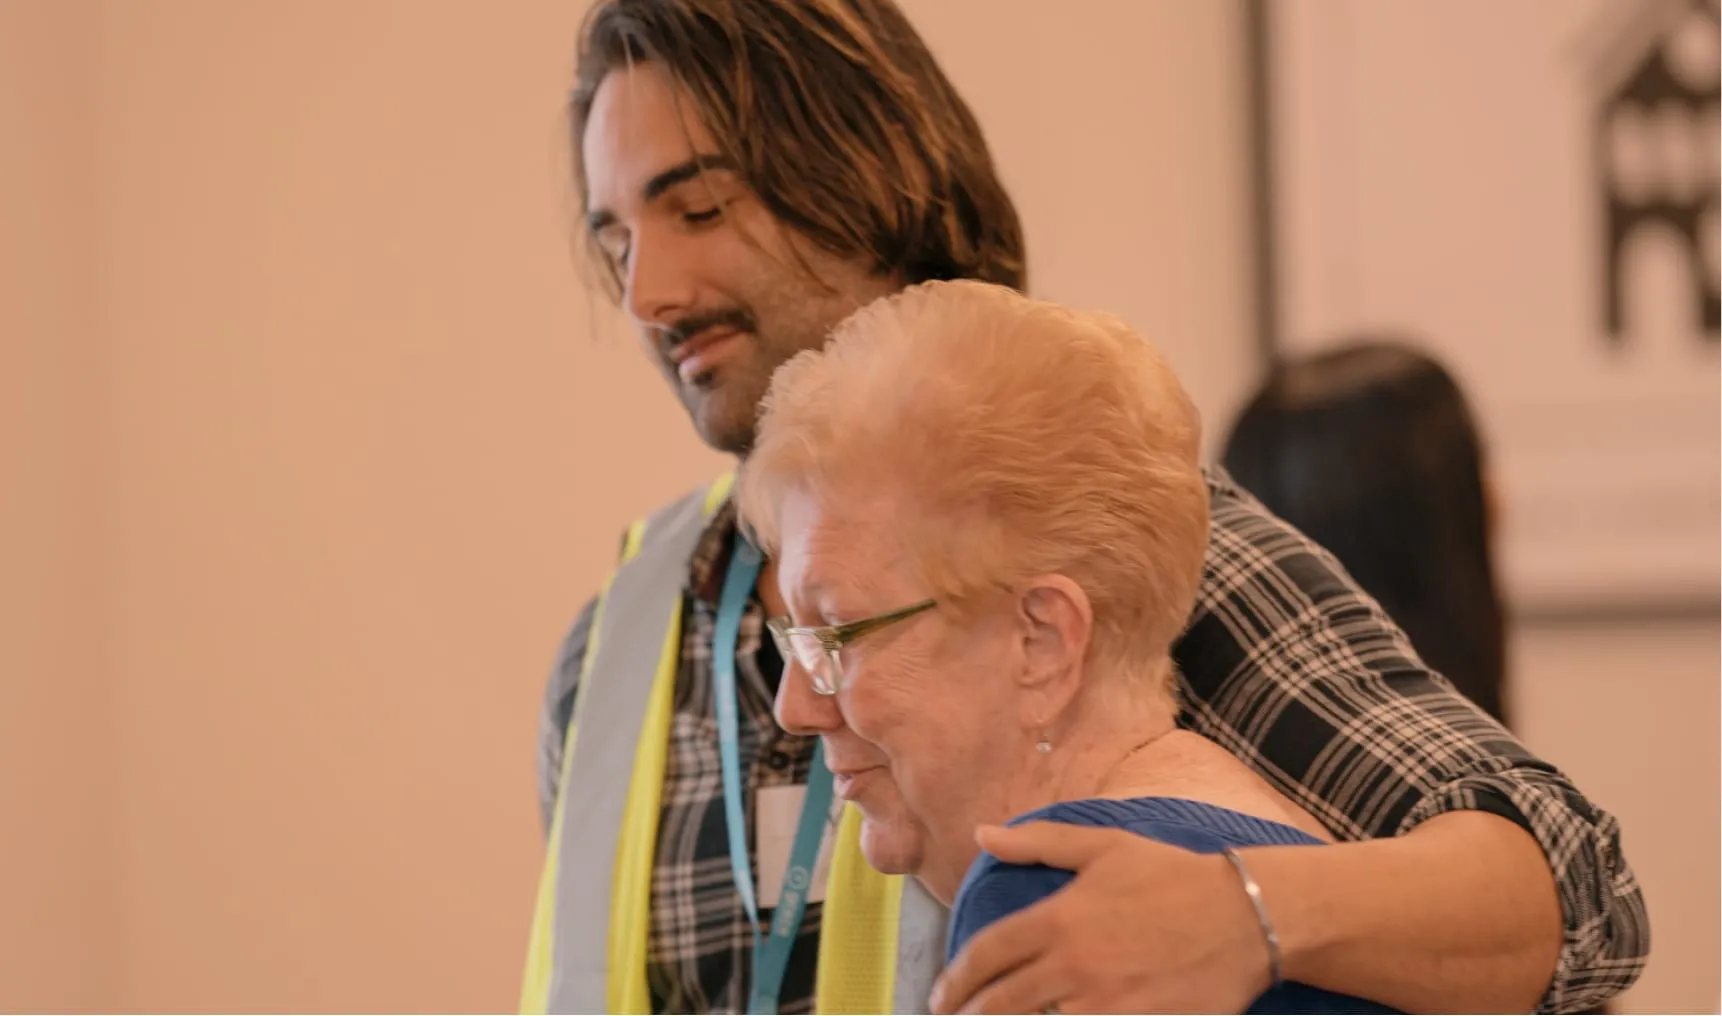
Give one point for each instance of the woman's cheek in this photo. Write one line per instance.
(872, 707)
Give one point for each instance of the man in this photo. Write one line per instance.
(753, 171)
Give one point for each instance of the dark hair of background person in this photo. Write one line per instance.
(836, 115)
(1371, 450)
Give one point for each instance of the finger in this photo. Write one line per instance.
(1054, 844)
(1032, 987)
(991, 953)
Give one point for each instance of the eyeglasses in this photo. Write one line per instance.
(817, 649)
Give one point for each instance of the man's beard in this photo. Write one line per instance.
(725, 417)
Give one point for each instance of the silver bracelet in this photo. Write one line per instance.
(1252, 889)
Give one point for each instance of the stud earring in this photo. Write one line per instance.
(1043, 745)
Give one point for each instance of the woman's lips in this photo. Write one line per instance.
(850, 782)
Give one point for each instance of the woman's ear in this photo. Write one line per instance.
(1056, 621)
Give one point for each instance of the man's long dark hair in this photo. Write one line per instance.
(1371, 450)
(835, 113)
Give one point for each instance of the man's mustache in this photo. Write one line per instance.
(732, 318)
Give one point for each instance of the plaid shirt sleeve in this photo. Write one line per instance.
(558, 709)
(1293, 668)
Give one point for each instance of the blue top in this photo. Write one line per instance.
(993, 889)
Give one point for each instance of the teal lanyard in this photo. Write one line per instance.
(770, 956)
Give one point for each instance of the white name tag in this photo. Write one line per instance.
(777, 813)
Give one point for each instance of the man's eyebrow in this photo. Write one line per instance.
(680, 173)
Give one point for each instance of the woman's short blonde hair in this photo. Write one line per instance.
(1020, 438)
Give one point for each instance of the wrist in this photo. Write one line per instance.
(1269, 933)
(1305, 928)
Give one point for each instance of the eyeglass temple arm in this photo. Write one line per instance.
(845, 632)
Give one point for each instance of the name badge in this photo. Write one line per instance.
(777, 811)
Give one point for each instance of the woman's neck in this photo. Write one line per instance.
(1144, 754)
(1092, 751)
(1100, 760)
(1121, 747)
(1115, 719)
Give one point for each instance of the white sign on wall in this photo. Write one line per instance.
(1529, 189)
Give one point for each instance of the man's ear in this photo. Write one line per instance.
(1056, 622)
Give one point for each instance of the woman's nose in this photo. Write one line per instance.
(799, 709)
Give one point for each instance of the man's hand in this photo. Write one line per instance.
(1457, 915)
(1145, 927)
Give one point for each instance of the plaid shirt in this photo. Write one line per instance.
(1286, 663)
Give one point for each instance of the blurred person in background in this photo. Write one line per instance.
(751, 173)
(1371, 450)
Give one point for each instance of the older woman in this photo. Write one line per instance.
(989, 522)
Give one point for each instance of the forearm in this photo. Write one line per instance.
(1457, 915)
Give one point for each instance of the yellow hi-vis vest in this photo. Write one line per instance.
(881, 942)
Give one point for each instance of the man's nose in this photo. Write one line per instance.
(799, 709)
(658, 288)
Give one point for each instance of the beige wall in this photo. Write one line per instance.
(363, 475)
(318, 442)
(57, 851)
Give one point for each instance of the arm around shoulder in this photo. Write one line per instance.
(1292, 667)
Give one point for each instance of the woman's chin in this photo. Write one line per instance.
(889, 847)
